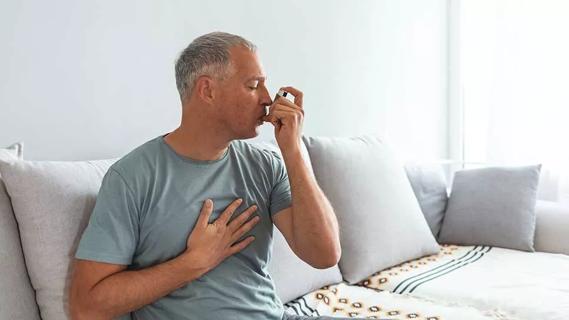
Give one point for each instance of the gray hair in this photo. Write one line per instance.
(206, 55)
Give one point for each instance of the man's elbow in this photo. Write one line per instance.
(329, 259)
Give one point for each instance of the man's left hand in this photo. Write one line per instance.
(287, 118)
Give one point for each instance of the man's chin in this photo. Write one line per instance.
(250, 135)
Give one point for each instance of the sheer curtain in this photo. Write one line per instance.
(514, 83)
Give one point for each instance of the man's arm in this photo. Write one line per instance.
(104, 291)
(309, 226)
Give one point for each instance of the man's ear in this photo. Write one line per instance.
(205, 88)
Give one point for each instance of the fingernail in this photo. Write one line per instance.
(208, 202)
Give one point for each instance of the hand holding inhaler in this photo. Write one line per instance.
(287, 117)
(279, 94)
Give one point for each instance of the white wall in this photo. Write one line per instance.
(94, 79)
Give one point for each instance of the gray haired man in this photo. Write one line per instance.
(182, 227)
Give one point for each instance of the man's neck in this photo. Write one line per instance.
(196, 144)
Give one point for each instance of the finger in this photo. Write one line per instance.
(277, 109)
(298, 95)
(285, 101)
(287, 105)
(205, 213)
(237, 222)
(228, 212)
(272, 119)
(278, 117)
(240, 245)
(286, 115)
(269, 118)
(245, 228)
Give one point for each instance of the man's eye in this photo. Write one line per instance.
(253, 88)
(254, 85)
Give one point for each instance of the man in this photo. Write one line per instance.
(182, 226)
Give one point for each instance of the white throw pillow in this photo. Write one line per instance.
(52, 202)
(17, 299)
(12, 153)
(381, 223)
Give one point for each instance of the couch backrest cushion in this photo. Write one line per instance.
(551, 227)
(17, 299)
(52, 202)
(381, 223)
(430, 188)
(292, 276)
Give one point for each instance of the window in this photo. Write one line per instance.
(510, 74)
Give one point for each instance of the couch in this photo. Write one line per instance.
(391, 217)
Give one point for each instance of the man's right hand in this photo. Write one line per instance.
(210, 243)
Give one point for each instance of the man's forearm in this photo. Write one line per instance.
(314, 224)
(126, 291)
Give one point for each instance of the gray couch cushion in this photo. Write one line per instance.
(52, 202)
(381, 223)
(492, 206)
(17, 299)
(292, 276)
(429, 185)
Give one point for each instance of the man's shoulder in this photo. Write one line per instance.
(258, 150)
(140, 159)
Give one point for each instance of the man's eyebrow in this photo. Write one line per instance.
(260, 78)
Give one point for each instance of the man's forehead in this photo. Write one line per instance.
(247, 63)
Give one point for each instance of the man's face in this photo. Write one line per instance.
(243, 95)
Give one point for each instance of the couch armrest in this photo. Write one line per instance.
(552, 227)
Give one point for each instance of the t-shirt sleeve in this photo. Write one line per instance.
(280, 194)
(112, 233)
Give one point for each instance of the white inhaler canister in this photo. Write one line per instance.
(281, 93)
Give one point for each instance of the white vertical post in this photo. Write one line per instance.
(455, 102)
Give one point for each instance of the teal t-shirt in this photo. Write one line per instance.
(148, 204)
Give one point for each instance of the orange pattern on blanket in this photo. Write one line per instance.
(380, 281)
(342, 306)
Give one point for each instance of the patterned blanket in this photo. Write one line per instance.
(525, 285)
(407, 277)
(350, 301)
(460, 282)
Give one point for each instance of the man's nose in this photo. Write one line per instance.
(266, 97)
